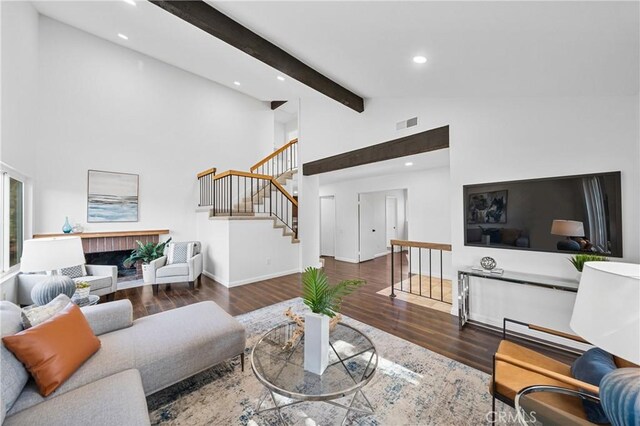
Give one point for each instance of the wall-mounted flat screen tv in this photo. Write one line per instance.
(567, 214)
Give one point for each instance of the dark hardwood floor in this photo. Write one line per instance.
(436, 331)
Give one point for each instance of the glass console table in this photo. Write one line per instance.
(518, 278)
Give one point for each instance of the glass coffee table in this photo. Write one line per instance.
(352, 363)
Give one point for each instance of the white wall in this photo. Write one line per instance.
(238, 252)
(427, 207)
(106, 107)
(492, 139)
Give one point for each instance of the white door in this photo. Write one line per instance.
(327, 226)
(391, 219)
(368, 231)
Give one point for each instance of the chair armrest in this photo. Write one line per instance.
(548, 373)
(108, 317)
(195, 266)
(26, 282)
(158, 263)
(542, 330)
(105, 271)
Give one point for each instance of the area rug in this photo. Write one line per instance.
(412, 386)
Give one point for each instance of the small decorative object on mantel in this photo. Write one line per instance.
(146, 253)
(77, 228)
(488, 265)
(66, 228)
(579, 260)
(324, 300)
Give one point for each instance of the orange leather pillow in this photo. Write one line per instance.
(53, 350)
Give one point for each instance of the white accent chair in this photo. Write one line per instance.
(161, 273)
(103, 280)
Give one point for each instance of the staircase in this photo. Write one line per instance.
(256, 195)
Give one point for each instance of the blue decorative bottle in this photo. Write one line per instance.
(66, 228)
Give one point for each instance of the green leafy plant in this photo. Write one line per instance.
(146, 253)
(580, 259)
(322, 297)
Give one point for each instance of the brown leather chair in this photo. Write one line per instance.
(516, 367)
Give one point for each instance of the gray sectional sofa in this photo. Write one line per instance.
(137, 358)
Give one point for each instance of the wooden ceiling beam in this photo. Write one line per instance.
(430, 140)
(219, 25)
(277, 104)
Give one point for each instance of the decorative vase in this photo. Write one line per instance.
(77, 228)
(51, 287)
(66, 228)
(316, 343)
(486, 239)
(82, 293)
(578, 276)
(147, 276)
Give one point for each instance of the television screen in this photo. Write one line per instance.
(568, 214)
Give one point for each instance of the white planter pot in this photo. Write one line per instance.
(316, 343)
(146, 274)
(578, 276)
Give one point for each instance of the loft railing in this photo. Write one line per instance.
(280, 161)
(419, 284)
(205, 184)
(236, 193)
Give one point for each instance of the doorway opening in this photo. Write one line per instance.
(328, 226)
(381, 218)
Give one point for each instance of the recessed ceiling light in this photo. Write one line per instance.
(419, 59)
(281, 78)
(122, 36)
(131, 2)
(237, 83)
(408, 164)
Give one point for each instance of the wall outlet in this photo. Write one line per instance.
(268, 261)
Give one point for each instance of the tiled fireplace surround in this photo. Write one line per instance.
(95, 243)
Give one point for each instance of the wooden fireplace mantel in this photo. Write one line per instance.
(107, 234)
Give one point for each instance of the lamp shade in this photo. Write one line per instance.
(607, 308)
(49, 254)
(567, 228)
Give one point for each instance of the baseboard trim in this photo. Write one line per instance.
(346, 259)
(237, 283)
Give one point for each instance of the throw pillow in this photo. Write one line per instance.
(34, 315)
(54, 350)
(74, 271)
(591, 367)
(179, 253)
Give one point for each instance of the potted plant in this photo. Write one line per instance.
(82, 290)
(324, 300)
(146, 253)
(579, 260)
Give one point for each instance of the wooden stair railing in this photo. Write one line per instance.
(237, 193)
(280, 161)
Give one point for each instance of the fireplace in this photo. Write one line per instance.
(115, 258)
(113, 247)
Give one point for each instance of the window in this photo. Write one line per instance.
(13, 220)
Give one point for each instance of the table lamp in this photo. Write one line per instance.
(51, 254)
(569, 229)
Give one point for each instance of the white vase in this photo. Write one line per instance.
(578, 276)
(316, 342)
(146, 274)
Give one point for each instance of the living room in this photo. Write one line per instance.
(227, 147)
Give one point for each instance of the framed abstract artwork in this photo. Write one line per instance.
(487, 207)
(112, 197)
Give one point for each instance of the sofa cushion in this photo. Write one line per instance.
(202, 335)
(95, 282)
(14, 375)
(114, 400)
(54, 350)
(174, 270)
(115, 355)
(34, 314)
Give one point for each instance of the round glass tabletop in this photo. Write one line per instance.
(352, 362)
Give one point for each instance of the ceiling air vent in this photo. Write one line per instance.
(407, 123)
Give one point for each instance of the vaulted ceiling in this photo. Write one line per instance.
(473, 49)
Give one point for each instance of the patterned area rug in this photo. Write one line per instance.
(412, 386)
